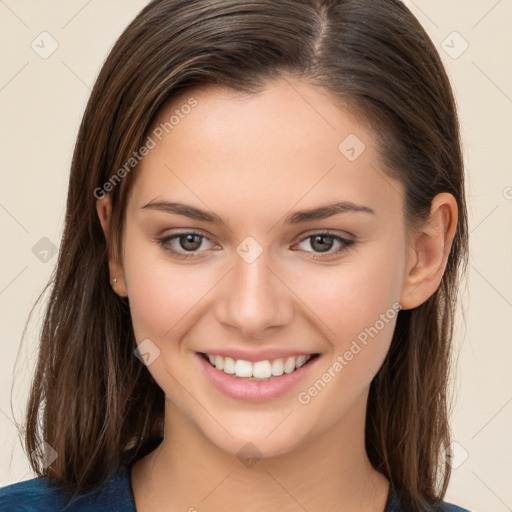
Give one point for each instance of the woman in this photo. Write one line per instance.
(254, 298)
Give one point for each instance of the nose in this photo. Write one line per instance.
(254, 299)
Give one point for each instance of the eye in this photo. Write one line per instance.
(184, 245)
(323, 242)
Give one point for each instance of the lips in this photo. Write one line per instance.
(254, 389)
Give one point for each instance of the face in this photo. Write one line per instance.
(234, 251)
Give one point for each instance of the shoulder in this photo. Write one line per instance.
(38, 495)
(448, 507)
(31, 495)
(392, 505)
(440, 507)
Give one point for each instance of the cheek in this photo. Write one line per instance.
(358, 308)
(348, 298)
(161, 293)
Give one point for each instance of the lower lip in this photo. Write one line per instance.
(254, 391)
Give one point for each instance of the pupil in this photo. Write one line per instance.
(323, 247)
(195, 240)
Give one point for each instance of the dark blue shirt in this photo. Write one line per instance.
(37, 495)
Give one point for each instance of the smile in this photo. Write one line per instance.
(258, 370)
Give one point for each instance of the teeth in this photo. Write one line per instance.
(242, 368)
(277, 367)
(301, 360)
(229, 365)
(260, 370)
(289, 365)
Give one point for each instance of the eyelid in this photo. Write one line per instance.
(346, 236)
(183, 232)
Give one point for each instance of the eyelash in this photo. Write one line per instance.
(346, 244)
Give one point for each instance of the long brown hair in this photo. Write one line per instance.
(91, 400)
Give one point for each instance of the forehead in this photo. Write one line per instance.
(291, 142)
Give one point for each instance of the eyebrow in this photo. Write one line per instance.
(321, 212)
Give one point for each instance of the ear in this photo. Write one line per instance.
(104, 210)
(428, 252)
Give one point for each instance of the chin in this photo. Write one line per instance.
(257, 443)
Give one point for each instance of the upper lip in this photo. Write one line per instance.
(260, 355)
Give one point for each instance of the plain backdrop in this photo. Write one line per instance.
(44, 87)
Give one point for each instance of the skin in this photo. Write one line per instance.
(253, 160)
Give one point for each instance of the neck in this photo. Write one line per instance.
(328, 472)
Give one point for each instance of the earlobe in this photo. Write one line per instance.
(117, 281)
(429, 252)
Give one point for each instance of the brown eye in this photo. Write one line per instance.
(185, 245)
(322, 243)
(190, 242)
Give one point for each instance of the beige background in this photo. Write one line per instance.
(42, 100)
